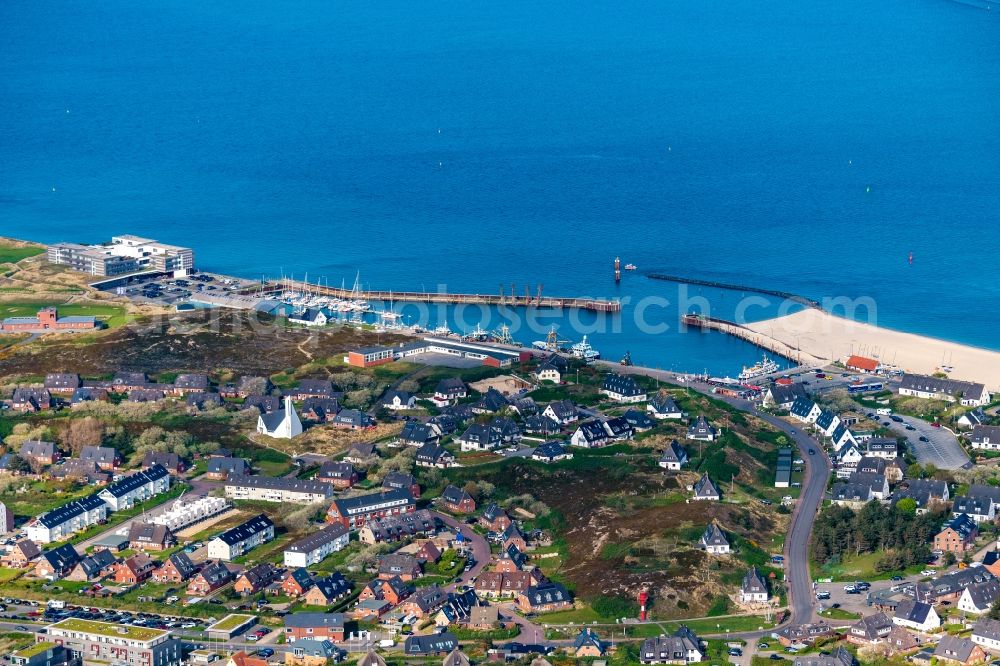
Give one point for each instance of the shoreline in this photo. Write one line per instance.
(829, 337)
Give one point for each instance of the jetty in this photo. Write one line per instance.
(802, 300)
(770, 343)
(527, 300)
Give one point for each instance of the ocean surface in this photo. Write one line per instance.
(802, 146)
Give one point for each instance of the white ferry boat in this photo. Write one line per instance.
(763, 367)
(583, 350)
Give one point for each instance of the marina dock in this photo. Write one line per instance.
(773, 345)
(509, 300)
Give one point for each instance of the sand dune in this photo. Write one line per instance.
(829, 337)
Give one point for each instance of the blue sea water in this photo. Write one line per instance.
(802, 146)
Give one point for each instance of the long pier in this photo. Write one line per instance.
(509, 300)
(776, 347)
(802, 300)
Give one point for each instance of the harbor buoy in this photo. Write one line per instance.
(911, 256)
(868, 189)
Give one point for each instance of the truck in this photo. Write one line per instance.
(57, 604)
(883, 411)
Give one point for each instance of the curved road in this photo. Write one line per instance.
(817, 474)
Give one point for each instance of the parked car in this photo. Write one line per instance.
(923, 439)
(735, 652)
(822, 594)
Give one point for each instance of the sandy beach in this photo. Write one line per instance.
(825, 336)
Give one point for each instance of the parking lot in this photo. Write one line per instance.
(168, 291)
(938, 447)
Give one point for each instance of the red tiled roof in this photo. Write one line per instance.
(862, 363)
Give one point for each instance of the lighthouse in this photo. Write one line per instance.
(643, 599)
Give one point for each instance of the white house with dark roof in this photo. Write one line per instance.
(916, 615)
(705, 490)
(241, 539)
(970, 394)
(979, 597)
(622, 388)
(590, 435)
(985, 437)
(714, 541)
(563, 412)
(282, 424)
(398, 400)
(986, 634)
(663, 407)
(702, 430)
(827, 422)
(754, 588)
(805, 410)
(783, 396)
(972, 418)
(674, 457)
(882, 447)
(448, 391)
(842, 436)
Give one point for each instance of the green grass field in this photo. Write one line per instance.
(12, 255)
(111, 315)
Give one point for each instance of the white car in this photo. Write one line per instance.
(928, 572)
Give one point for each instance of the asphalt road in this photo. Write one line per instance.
(802, 602)
(941, 448)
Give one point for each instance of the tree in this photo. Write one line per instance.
(907, 505)
(994, 613)
(83, 432)
(949, 558)
(18, 465)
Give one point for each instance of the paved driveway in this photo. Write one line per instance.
(941, 448)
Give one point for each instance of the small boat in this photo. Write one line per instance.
(442, 330)
(583, 350)
(630, 267)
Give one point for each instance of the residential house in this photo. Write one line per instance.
(406, 567)
(972, 418)
(146, 395)
(353, 419)
(265, 404)
(674, 457)
(312, 652)
(827, 422)
(319, 410)
(313, 388)
(492, 402)
(924, 492)
(220, 468)
(314, 548)
(969, 394)
(241, 539)
(92, 567)
(495, 518)
(783, 396)
(543, 598)
(550, 452)
(324, 626)
(430, 644)
(839, 657)
(705, 490)
(434, 455)
(955, 650)
(541, 425)
(457, 500)
(622, 388)
(916, 615)
(283, 489)
(327, 590)
(169, 461)
(398, 400)
(211, 577)
(986, 633)
(136, 488)
(27, 399)
(419, 434)
(480, 437)
(424, 602)
(341, 475)
(353, 512)
(398, 527)
(361, 453)
(701, 430)
(714, 541)
(681, 647)
(805, 410)
(978, 598)
(149, 536)
(63, 383)
(175, 569)
(591, 435)
(133, 570)
(255, 579)
(754, 589)
(449, 391)
(57, 562)
(986, 437)
(662, 406)
(296, 582)
(562, 412)
(200, 402)
(588, 644)
(21, 554)
(496, 584)
(882, 447)
(38, 452)
(550, 369)
(86, 394)
(957, 536)
(104, 457)
(189, 383)
(68, 519)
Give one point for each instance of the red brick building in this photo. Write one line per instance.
(48, 319)
(367, 357)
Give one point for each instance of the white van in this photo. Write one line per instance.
(883, 411)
